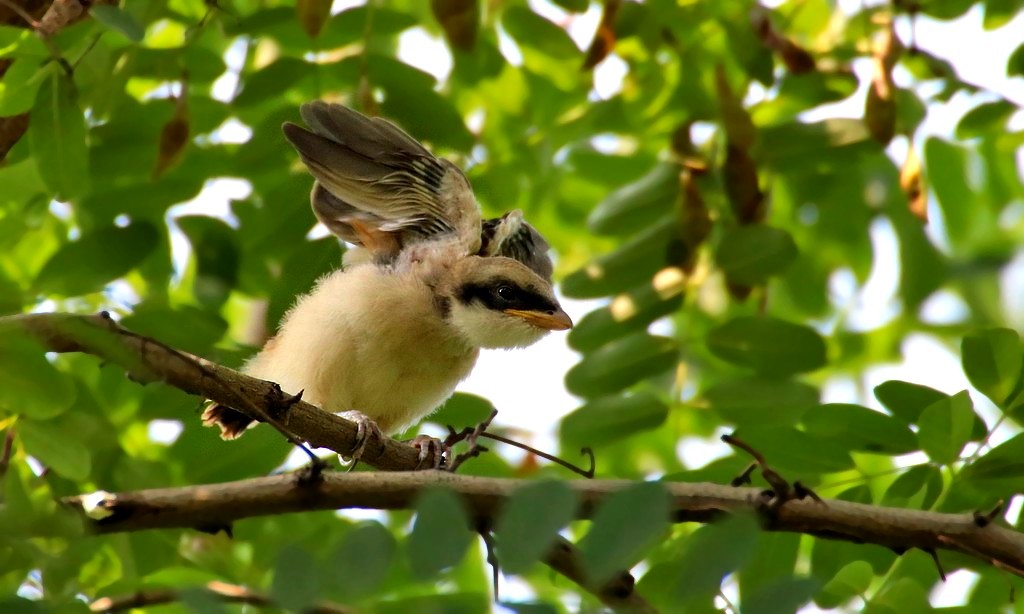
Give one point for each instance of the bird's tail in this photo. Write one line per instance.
(232, 423)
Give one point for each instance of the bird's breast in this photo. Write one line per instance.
(370, 341)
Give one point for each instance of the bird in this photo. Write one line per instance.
(385, 339)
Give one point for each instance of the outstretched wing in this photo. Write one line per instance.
(510, 235)
(378, 187)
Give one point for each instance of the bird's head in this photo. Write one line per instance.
(498, 302)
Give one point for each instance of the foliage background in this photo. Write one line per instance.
(716, 194)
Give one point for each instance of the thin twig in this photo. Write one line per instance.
(587, 473)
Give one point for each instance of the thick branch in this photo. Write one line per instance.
(147, 360)
(222, 504)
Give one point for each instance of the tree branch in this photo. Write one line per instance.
(147, 360)
(222, 504)
(228, 593)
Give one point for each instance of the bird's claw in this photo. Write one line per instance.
(366, 429)
(431, 449)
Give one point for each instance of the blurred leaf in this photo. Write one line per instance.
(637, 205)
(625, 525)
(362, 562)
(57, 445)
(173, 139)
(461, 410)
(768, 345)
(29, 384)
(217, 258)
(620, 364)
(1000, 470)
(749, 255)
(313, 15)
(985, 119)
(992, 360)
(782, 596)
(56, 135)
(118, 20)
(440, 534)
(99, 257)
(629, 312)
(945, 427)
(760, 400)
(296, 577)
(851, 581)
(608, 419)
(460, 20)
(530, 521)
(947, 175)
(712, 552)
(641, 256)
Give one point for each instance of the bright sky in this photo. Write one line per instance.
(527, 385)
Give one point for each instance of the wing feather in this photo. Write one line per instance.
(373, 177)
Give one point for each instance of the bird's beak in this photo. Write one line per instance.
(548, 320)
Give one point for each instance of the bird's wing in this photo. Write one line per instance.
(512, 236)
(377, 186)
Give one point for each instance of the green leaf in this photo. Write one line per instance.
(97, 258)
(624, 527)
(29, 384)
(56, 136)
(620, 364)
(608, 419)
(524, 536)
(1015, 63)
(637, 205)
(945, 427)
(906, 401)
(749, 255)
(531, 30)
(918, 488)
(56, 445)
(362, 561)
(118, 20)
(851, 581)
(1000, 472)
(760, 400)
(440, 534)
(214, 245)
(462, 409)
(629, 312)
(631, 264)
(783, 596)
(712, 552)
(902, 595)
(992, 360)
(768, 345)
(985, 119)
(946, 164)
(794, 451)
(858, 428)
(296, 578)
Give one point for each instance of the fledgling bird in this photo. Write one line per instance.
(386, 339)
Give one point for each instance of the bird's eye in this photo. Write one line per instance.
(506, 293)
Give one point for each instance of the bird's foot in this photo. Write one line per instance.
(432, 451)
(367, 429)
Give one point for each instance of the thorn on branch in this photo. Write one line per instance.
(743, 479)
(938, 563)
(215, 528)
(492, 556)
(311, 474)
(781, 491)
(983, 520)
